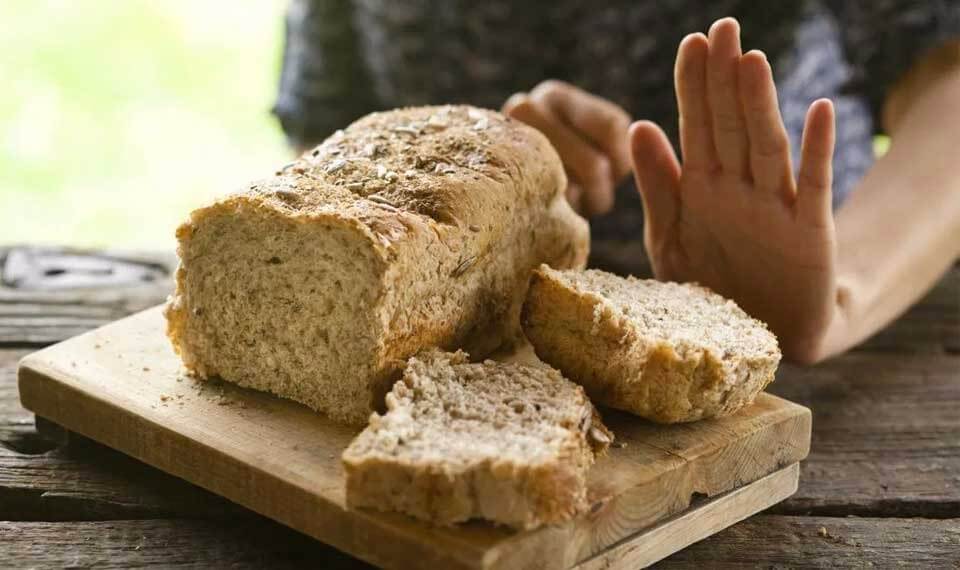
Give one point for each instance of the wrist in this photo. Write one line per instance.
(831, 335)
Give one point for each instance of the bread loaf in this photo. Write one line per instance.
(411, 228)
(664, 351)
(509, 443)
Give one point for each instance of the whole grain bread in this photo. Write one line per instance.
(505, 442)
(665, 351)
(410, 229)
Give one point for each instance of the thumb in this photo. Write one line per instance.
(657, 174)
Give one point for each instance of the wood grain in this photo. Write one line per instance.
(167, 543)
(887, 435)
(769, 541)
(16, 424)
(99, 484)
(763, 541)
(122, 385)
(696, 523)
(50, 294)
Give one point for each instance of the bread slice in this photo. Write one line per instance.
(664, 351)
(409, 229)
(505, 442)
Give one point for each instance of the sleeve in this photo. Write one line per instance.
(884, 38)
(323, 80)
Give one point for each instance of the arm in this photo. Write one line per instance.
(900, 229)
(734, 218)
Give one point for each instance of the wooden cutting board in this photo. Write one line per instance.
(122, 386)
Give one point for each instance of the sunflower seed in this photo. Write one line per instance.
(335, 166)
(463, 266)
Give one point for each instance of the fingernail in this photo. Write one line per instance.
(717, 23)
(514, 101)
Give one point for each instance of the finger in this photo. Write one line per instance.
(511, 103)
(769, 145)
(574, 196)
(696, 137)
(587, 166)
(601, 122)
(657, 174)
(726, 114)
(815, 179)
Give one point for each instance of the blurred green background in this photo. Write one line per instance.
(119, 116)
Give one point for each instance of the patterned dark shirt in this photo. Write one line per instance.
(343, 59)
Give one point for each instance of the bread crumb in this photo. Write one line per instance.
(164, 397)
(823, 532)
(597, 315)
(599, 435)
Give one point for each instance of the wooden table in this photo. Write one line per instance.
(881, 485)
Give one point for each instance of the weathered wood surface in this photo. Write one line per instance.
(123, 385)
(884, 447)
(696, 523)
(764, 541)
(771, 541)
(166, 543)
(886, 436)
(48, 295)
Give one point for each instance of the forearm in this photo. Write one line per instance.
(900, 229)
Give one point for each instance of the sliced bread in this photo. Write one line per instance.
(668, 352)
(409, 229)
(505, 442)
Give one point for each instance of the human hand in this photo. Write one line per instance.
(589, 133)
(732, 217)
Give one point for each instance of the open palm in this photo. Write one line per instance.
(733, 217)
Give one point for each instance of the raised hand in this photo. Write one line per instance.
(732, 216)
(589, 133)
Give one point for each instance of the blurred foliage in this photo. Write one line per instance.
(118, 117)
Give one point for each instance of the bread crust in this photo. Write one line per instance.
(499, 487)
(586, 338)
(454, 206)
